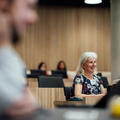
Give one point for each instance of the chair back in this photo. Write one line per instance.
(50, 82)
(68, 92)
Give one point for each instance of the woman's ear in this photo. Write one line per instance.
(83, 66)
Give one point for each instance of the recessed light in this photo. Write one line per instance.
(93, 1)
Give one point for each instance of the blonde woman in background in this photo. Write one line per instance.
(86, 82)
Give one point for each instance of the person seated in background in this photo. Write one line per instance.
(61, 66)
(86, 82)
(62, 69)
(43, 67)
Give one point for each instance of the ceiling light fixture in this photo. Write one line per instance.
(93, 1)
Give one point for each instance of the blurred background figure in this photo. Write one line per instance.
(61, 65)
(43, 67)
(86, 82)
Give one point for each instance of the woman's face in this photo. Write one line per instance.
(62, 66)
(90, 65)
(43, 67)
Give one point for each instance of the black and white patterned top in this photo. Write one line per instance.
(89, 86)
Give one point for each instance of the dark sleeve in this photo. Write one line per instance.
(78, 79)
(100, 79)
(111, 91)
(102, 103)
(101, 82)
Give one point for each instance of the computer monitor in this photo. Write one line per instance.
(50, 82)
(38, 72)
(62, 73)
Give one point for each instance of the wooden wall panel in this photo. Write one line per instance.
(47, 96)
(65, 33)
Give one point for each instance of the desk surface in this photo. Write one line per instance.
(69, 114)
(68, 103)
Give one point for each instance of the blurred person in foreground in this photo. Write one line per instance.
(113, 90)
(15, 97)
(86, 82)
